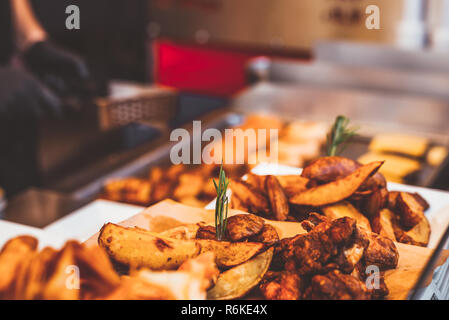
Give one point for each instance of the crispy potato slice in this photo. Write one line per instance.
(242, 226)
(206, 232)
(328, 169)
(375, 202)
(419, 235)
(293, 184)
(345, 209)
(338, 190)
(252, 198)
(237, 203)
(140, 248)
(278, 199)
(237, 282)
(38, 272)
(409, 210)
(56, 287)
(268, 235)
(257, 182)
(11, 256)
(230, 254)
(190, 185)
(382, 223)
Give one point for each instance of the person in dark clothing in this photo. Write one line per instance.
(31, 87)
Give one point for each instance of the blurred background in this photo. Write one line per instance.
(155, 65)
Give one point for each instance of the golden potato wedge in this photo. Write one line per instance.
(293, 184)
(257, 182)
(327, 169)
(409, 210)
(345, 209)
(11, 258)
(230, 254)
(238, 281)
(338, 190)
(419, 235)
(268, 235)
(140, 248)
(207, 232)
(237, 203)
(38, 272)
(190, 185)
(382, 223)
(253, 199)
(375, 202)
(277, 198)
(56, 288)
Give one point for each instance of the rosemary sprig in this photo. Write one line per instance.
(339, 136)
(221, 204)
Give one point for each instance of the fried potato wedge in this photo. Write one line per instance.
(37, 273)
(237, 203)
(327, 169)
(250, 196)
(256, 181)
(206, 232)
(242, 226)
(238, 281)
(138, 248)
(419, 235)
(293, 182)
(278, 199)
(345, 209)
(375, 202)
(268, 235)
(230, 254)
(382, 223)
(338, 190)
(11, 256)
(409, 210)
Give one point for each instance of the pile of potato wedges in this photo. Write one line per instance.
(336, 187)
(242, 258)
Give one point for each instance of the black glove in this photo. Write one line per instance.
(64, 72)
(23, 96)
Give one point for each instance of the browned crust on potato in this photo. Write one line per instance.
(206, 232)
(278, 199)
(243, 226)
(382, 223)
(328, 169)
(338, 190)
(419, 235)
(409, 210)
(268, 235)
(251, 197)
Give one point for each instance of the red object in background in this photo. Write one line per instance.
(200, 69)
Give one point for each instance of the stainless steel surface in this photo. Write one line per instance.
(337, 76)
(38, 208)
(381, 56)
(374, 112)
